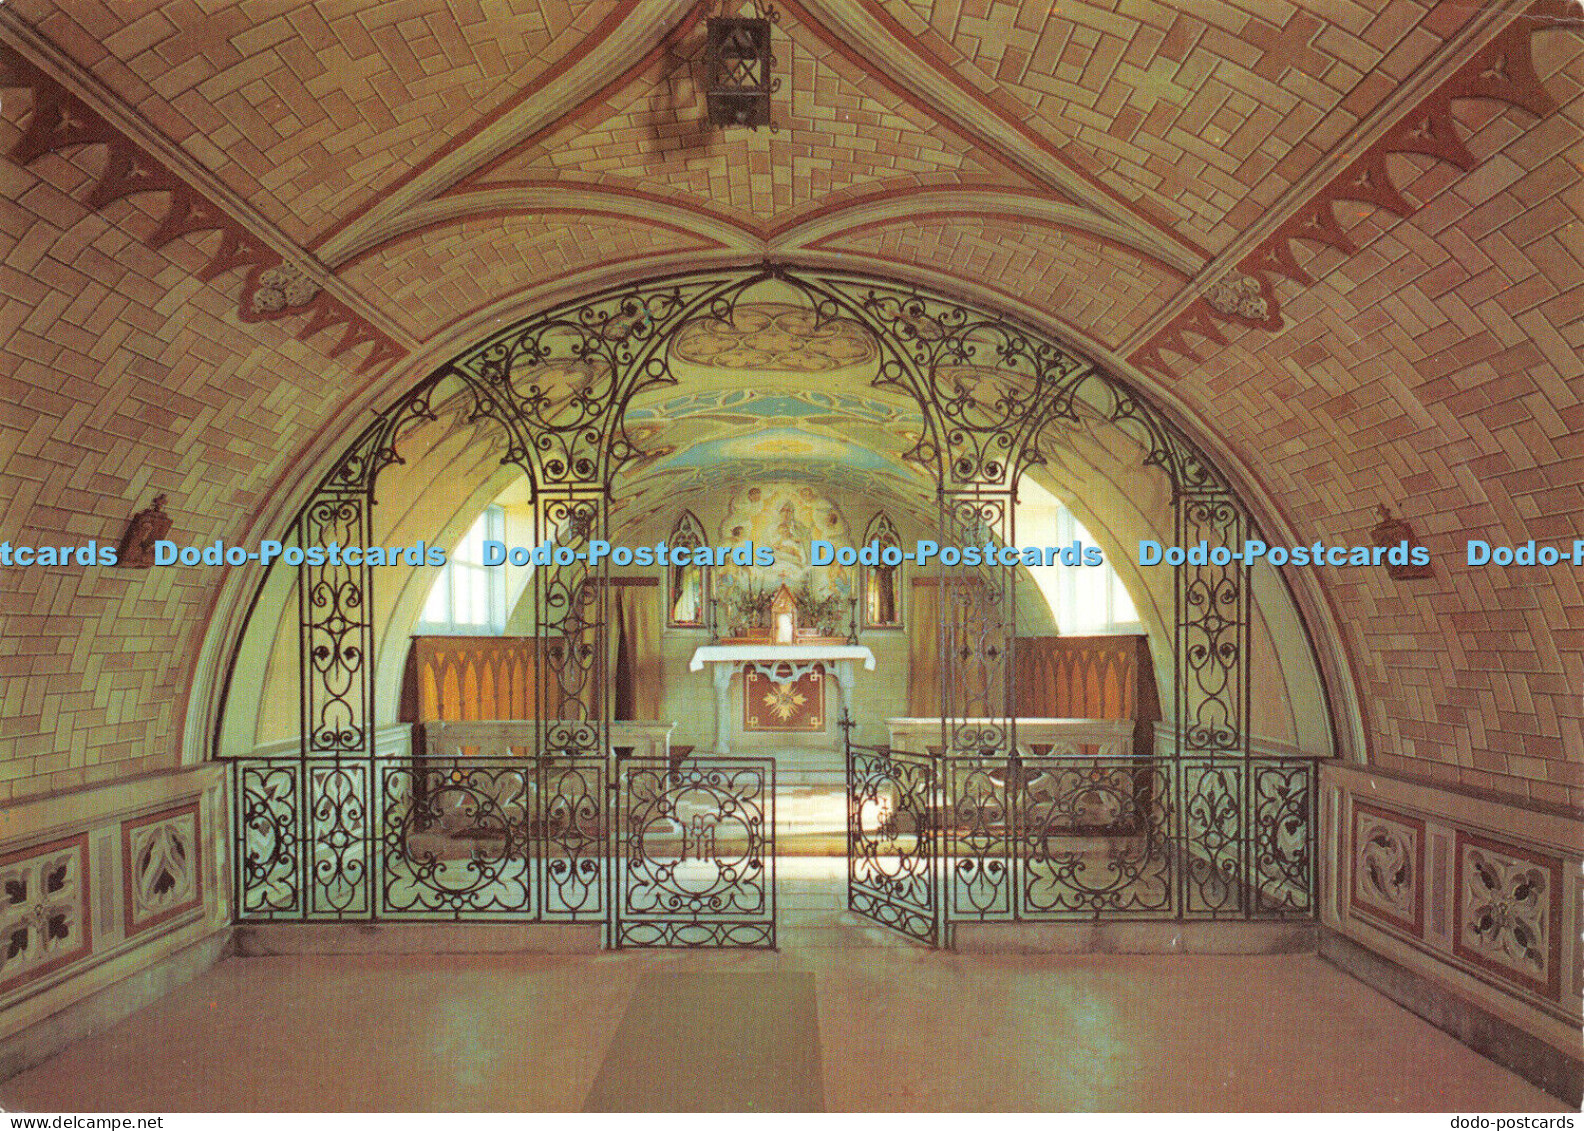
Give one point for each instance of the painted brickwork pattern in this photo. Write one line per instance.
(309, 112)
(1439, 370)
(1213, 110)
(446, 273)
(838, 139)
(124, 377)
(1098, 291)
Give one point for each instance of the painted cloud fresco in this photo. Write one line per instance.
(786, 517)
(847, 439)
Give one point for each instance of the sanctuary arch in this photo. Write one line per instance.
(984, 817)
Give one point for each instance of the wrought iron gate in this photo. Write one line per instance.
(695, 854)
(893, 855)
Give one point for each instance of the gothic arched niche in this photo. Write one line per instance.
(882, 581)
(687, 585)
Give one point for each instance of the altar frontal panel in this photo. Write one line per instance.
(797, 706)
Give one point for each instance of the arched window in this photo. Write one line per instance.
(882, 584)
(1088, 601)
(468, 598)
(687, 586)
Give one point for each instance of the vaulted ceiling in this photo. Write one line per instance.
(1342, 238)
(418, 169)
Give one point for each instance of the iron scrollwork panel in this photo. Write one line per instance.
(338, 840)
(892, 840)
(977, 628)
(1212, 633)
(562, 381)
(1093, 838)
(337, 636)
(979, 837)
(985, 384)
(559, 384)
(455, 840)
(572, 613)
(696, 854)
(1214, 837)
(268, 805)
(572, 825)
(1282, 810)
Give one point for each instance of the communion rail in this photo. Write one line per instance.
(1082, 830)
(447, 820)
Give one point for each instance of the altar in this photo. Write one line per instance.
(781, 664)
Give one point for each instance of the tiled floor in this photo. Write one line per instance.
(897, 1027)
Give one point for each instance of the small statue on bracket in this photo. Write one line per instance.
(1393, 532)
(147, 527)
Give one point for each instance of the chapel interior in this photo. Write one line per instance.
(518, 279)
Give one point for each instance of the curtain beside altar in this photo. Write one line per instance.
(632, 648)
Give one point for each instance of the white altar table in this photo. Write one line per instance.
(781, 664)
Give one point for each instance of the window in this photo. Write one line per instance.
(469, 597)
(1087, 600)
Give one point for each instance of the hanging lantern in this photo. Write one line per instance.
(738, 51)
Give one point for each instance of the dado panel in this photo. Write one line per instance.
(98, 885)
(1471, 893)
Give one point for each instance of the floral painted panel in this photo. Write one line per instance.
(1388, 868)
(44, 921)
(1509, 911)
(160, 862)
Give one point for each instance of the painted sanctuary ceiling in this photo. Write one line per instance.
(774, 394)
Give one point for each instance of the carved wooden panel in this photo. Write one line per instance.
(456, 678)
(1086, 677)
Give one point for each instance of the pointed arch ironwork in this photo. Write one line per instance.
(558, 385)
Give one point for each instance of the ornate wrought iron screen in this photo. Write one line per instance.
(450, 839)
(938, 840)
(314, 833)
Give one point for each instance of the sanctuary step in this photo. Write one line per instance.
(820, 767)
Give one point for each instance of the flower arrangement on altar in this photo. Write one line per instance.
(784, 616)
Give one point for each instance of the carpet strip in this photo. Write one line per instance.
(715, 1042)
